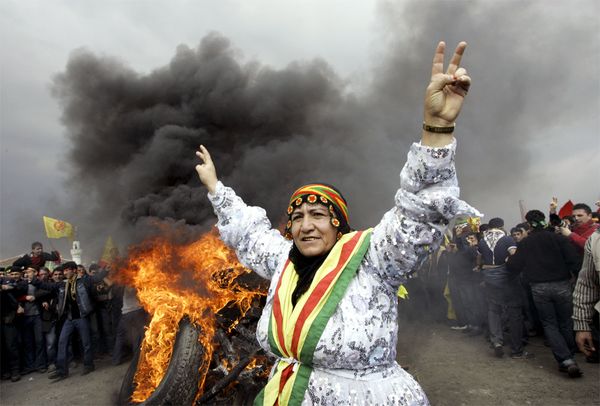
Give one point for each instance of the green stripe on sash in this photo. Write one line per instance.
(302, 374)
(300, 385)
(337, 293)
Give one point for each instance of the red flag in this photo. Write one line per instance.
(566, 210)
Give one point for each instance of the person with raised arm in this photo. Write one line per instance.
(331, 310)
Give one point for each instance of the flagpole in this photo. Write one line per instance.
(51, 245)
(522, 209)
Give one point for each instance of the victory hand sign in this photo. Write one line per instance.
(445, 94)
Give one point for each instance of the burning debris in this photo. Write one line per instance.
(201, 335)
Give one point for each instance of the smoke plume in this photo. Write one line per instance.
(270, 130)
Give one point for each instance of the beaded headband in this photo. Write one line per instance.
(318, 193)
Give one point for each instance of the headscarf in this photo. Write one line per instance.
(330, 197)
(326, 195)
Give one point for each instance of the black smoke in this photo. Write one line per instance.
(269, 130)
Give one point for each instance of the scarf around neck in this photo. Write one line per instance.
(305, 267)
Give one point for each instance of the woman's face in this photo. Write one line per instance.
(312, 230)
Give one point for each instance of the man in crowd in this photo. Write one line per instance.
(518, 232)
(74, 305)
(81, 271)
(586, 300)
(100, 320)
(57, 274)
(467, 290)
(12, 288)
(548, 261)
(44, 274)
(502, 289)
(37, 257)
(584, 226)
(532, 320)
(33, 338)
(50, 327)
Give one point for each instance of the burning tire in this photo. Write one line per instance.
(234, 368)
(179, 385)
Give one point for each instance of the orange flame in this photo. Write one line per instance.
(172, 281)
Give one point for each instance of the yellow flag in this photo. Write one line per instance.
(474, 222)
(109, 253)
(57, 228)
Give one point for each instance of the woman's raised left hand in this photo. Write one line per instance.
(446, 91)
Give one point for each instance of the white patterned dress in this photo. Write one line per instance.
(355, 360)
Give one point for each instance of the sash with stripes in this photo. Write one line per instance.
(295, 331)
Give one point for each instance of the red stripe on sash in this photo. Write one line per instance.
(319, 290)
(285, 375)
(277, 312)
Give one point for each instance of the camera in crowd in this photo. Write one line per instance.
(556, 221)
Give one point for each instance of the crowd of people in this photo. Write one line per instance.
(503, 285)
(538, 278)
(56, 318)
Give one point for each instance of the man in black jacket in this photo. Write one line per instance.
(470, 289)
(11, 290)
(502, 290)
(548, 261)
(74, 305)
(33, 338)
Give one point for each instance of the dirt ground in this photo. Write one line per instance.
(453, 369)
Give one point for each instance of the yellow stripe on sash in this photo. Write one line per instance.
(331, 268)
(295, 331)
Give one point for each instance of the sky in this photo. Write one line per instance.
(100, 103)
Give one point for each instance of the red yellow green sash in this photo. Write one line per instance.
(295, 331)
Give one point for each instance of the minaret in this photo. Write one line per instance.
(76, 252)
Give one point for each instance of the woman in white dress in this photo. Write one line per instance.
(331, 310)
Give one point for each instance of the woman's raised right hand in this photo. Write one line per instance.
(206, 170)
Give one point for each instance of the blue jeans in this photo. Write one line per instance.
(83, 328)
(50, 338)
(554, 302)
(33, 340)
(472, 297)
(505, 296)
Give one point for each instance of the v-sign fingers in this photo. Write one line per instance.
(438, 59)
(455, 61)
(204, 154)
